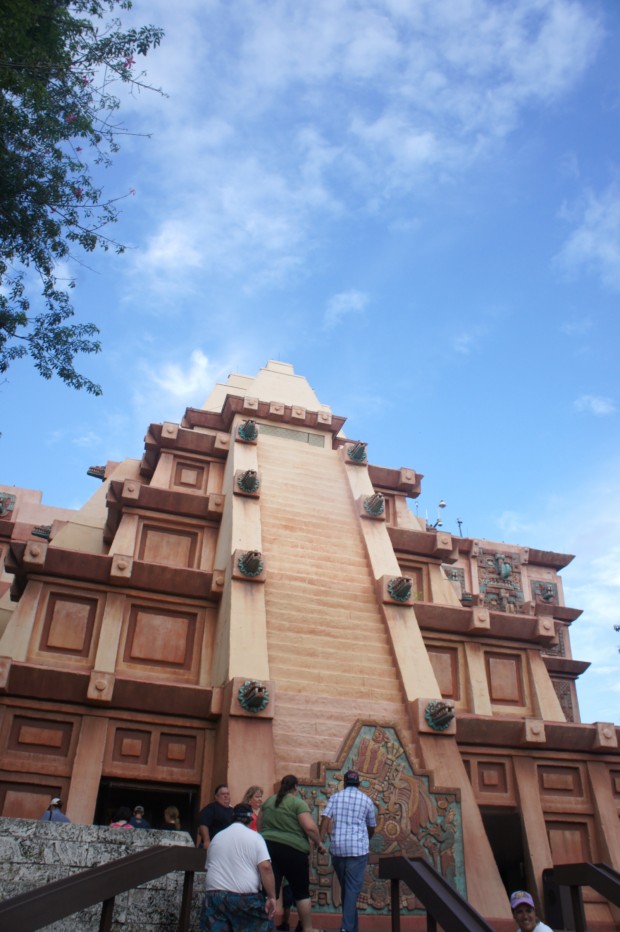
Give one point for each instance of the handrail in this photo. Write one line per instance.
(601, 877)
(444, 906)
(38, 908)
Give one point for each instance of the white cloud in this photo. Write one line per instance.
(283, 116)
(594, 244)
(89, 440)
(595, 404)
(343, 305)
(186, 382)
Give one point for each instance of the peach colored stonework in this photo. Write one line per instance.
(254, 597)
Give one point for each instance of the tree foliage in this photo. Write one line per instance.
(62, 64)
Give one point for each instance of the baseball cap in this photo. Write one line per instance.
(138, 809)
(519, 897)
(243, 812)
(351, 778)
(57, 801)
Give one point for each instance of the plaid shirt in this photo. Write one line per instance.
(351, 812)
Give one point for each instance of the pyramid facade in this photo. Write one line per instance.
(254, 597)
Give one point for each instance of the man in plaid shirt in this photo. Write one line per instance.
(350, 820)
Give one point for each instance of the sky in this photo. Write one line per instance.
(417, 204)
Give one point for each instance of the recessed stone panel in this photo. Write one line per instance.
(68, 624)
(168, 545)
(492, 777)
(25, 800)
(160, 638)
(177, 751)
(189, 476)
(131, 746)
(560, 781)
(39, 736)
(445, 663)
(505, 678)
(570, 842)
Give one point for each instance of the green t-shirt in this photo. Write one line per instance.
(280, 823)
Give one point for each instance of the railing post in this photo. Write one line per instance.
(186, 901)
(577, 904)
(431, 923)
(395, 904)
(107, 910)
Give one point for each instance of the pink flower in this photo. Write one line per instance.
(129, 61)
(78, 148)
(78, 193)
(70, 118)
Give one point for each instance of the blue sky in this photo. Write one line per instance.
(415, 203)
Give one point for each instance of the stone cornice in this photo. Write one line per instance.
(29, 559)
(403, 480)
(505, 733)
(262, 410)
(481, 622)
(434, 544)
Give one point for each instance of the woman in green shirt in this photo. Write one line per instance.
(288, 828)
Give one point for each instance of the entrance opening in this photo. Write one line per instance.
(155, 797)
(503, 828)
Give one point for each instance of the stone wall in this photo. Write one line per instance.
(35, 853)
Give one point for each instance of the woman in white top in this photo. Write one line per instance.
(524, 912)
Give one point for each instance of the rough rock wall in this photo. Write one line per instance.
(35, 853)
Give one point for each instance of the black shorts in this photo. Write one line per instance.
(294, 865)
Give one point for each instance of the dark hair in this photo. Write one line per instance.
(289, 782)
(219, 787)
(123, 814)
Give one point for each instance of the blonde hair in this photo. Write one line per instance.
(249, 793)
(171, 814)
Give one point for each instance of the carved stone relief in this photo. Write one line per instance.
(501, 588)
(413, 818)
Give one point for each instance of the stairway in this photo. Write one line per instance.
(325, 633)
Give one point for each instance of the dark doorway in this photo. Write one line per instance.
(155, 797)
(503, 828)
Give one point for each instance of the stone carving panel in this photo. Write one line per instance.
(544, 592)
(565, 694)
(413, 818)
(500, 582)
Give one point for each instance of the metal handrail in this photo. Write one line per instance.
(444, 906)
(602, 878)
(38, 908)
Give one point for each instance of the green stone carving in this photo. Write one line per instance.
(439, 715)
(374, 504)
(357, 452)
(248, 481)
(400, 588)
(248, 430)
(251, 563)
(253, 696)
